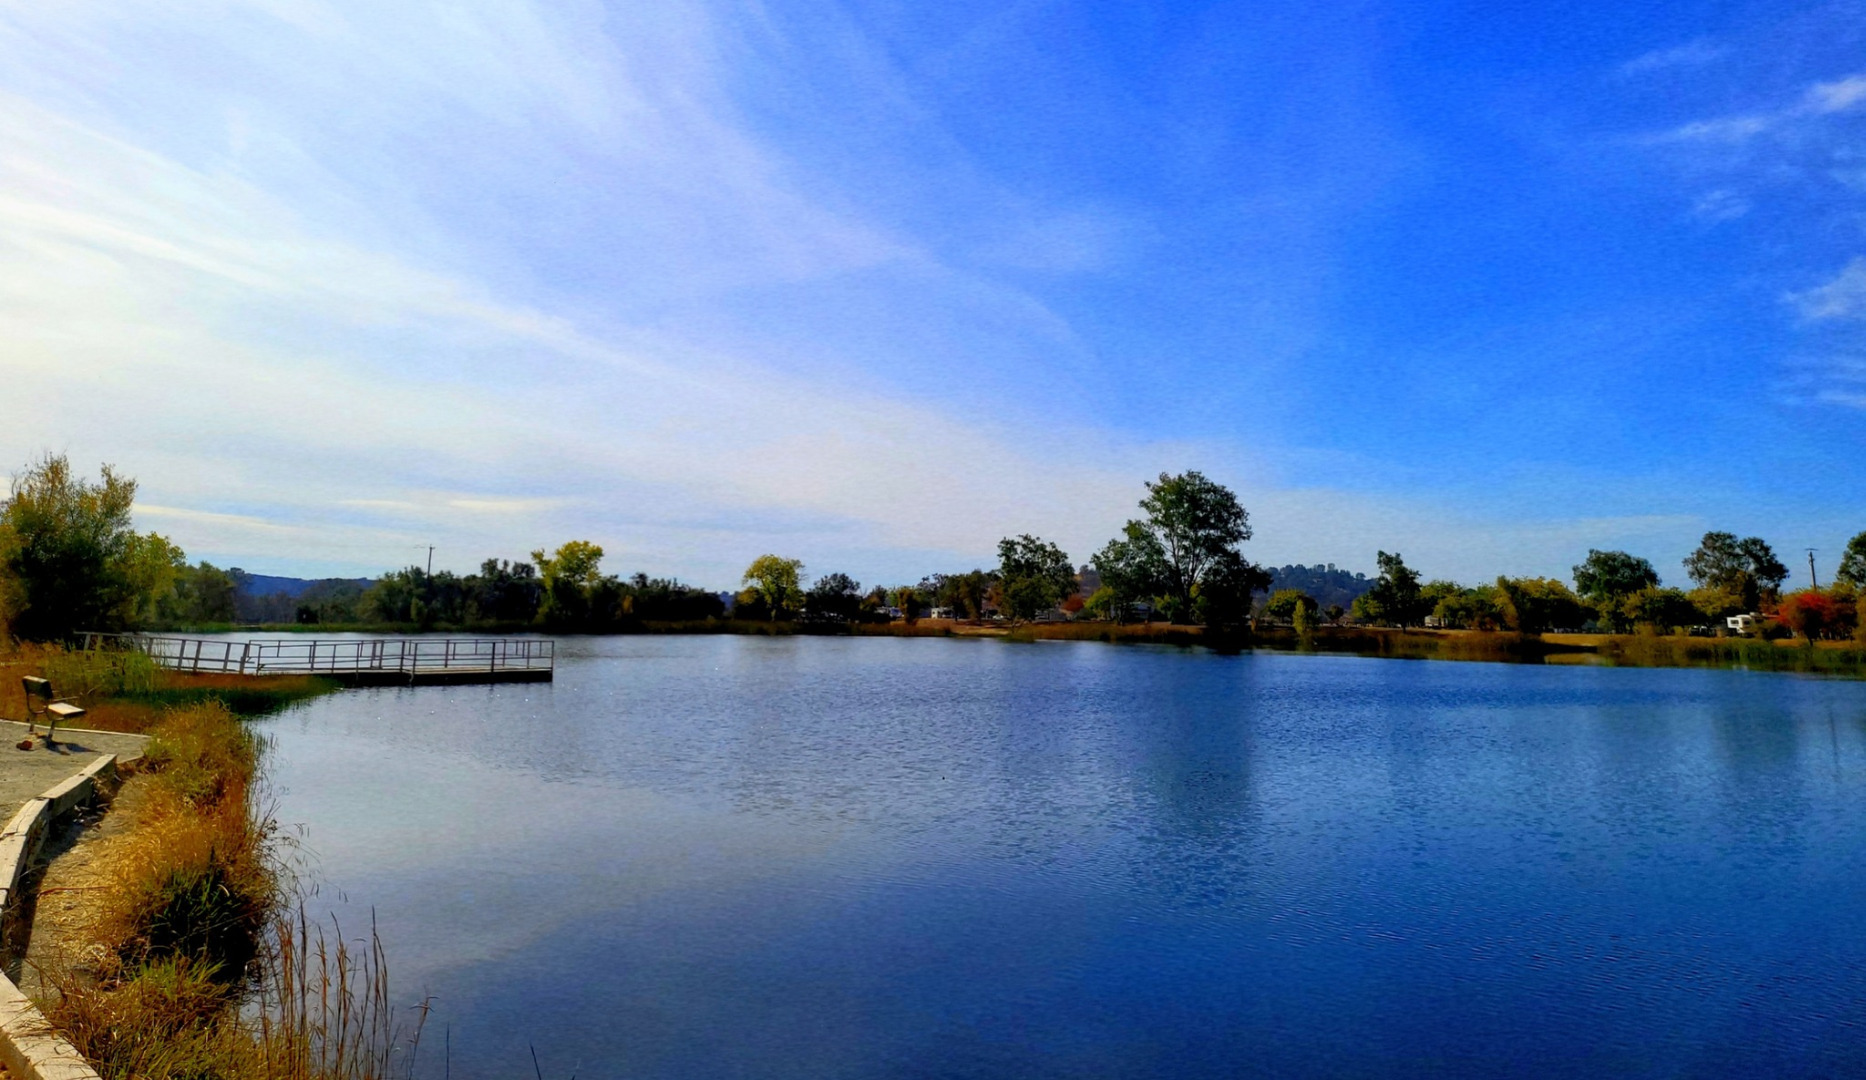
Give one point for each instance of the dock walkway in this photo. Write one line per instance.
(354, 661)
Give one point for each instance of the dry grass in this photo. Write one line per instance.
(201, 968)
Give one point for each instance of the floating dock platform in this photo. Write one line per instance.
(351, 661)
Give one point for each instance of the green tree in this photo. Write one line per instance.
(1666, 609)
(1033, 575)
(1746, 569)
(1606, 578)
(1396, 596)
(1853, 563)
(505, 592)
(202, 594)
(569, 579)
(70, 560)
(834, 596)
(1222, 600)
(1536, 605)
(1475, 608)
(1194, 522)
(775, 585)
(1284, 603)
(1132, 568)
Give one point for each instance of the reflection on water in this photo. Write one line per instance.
(782, 857)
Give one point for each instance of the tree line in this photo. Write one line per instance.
(1616, 592)
(71, 561)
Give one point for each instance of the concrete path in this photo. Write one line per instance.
(27, 774)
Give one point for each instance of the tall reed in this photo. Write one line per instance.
(205, 962)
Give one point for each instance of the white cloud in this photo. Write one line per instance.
(1726, 129)
(1690, 54)
(1842, 298)
(1720, 205)
(1838, 96)
(1818, 100)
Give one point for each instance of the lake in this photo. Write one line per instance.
(695, 857)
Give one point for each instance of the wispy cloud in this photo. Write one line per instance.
(1844, 297)
(1691, 54)
(1841, 95)
(1819, 100)
(1722, 204)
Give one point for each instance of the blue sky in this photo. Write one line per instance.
(874, 285)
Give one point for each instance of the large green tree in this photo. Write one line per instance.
(1223, 598)
(1034, 575)
(1606, 578)
(1746, 570)
(1534, 605)
(773, 585)
(1853, 562)
(573, 586)
(834, 596)
(1195, 522)
(70, 559)
(1396, 597)
(1191, 531)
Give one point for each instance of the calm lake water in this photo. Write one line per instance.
(819, 857)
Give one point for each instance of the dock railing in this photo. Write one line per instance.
(343, 657)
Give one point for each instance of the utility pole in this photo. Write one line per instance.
(1816, 582)
(431, 560)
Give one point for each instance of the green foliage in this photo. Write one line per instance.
(1294, 605)
(1853, 563)
(1476, 608)
(1396, 597)
(1536, 605)
(201, 594)
(1193, 522)
(1747, 568)
(70, 560)
(833, 596)
(774, 585)
(1034, 575)
(1132, 567)
(1715, 603)
(1284, 603)
(966, 594)
(573, 585)
(1183, 556)
(1223, 598)
(1665, 609)
(1607, 578)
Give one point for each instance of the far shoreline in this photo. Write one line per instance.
(1843, 658)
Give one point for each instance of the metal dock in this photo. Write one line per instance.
(355, 662)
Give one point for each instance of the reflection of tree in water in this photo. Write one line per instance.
(1019, 761)
(1198, 829)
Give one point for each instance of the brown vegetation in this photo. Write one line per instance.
(193, 960)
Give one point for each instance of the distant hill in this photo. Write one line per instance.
(268, 598)
(1324, 582)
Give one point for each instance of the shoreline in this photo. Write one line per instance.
(1840, 658)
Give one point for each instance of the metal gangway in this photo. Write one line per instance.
(354, 660)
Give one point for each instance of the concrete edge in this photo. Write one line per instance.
(29, 1047)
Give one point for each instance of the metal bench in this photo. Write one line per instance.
(42, 703)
